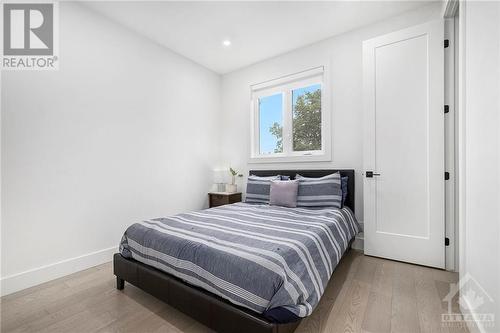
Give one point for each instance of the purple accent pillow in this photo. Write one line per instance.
(284, 193)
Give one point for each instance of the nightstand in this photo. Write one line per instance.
(223, 198)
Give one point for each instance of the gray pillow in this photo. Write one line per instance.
(284, 193)
(320, 192)
(258, 189)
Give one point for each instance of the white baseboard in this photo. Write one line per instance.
(476, 327)
(33, 277)
(359, 242)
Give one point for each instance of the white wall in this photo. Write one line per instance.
(125, 130)
(343, 56)
(479, 151)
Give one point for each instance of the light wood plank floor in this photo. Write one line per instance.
(365, 294)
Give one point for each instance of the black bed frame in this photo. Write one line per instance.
(205, 307)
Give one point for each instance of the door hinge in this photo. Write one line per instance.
(446, 43)
(446, 241)
(446, 108)
(446, 175)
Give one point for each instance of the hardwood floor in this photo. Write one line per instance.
(365, 294)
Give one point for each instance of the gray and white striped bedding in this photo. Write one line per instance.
(260, 257)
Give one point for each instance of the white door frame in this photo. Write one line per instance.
(452, 131)
(449, 139)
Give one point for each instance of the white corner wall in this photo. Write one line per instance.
(479, 149)
(125, 130)
(342, 55)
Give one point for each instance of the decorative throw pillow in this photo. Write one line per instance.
(344, 189)
(258, 189)
(320, 192)
(284, 193)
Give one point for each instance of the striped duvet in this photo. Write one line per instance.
(272, 260)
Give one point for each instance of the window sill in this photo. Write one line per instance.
(290, 159)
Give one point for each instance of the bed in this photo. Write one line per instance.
(240, 267)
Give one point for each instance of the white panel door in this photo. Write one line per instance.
(404, 145)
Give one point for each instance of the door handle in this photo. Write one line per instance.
(370, 174)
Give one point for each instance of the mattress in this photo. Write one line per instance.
(273, 260)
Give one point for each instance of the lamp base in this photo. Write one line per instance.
(231, 188)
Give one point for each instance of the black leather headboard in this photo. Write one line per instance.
(349, 201)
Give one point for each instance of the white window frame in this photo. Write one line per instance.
(286, 85)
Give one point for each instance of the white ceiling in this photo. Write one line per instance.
(257, 30)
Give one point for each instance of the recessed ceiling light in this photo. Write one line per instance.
(226, 42)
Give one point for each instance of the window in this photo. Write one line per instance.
(288, 119)
(306, 118)
(271, 124)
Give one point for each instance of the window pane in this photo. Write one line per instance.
(271, 124)
(306, 103)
